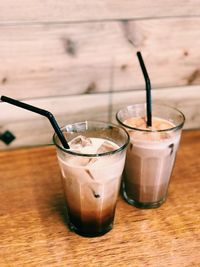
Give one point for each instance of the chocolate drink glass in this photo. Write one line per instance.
(151, 153)
(91, 171)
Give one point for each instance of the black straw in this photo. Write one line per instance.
(148, 89)
(42, 112)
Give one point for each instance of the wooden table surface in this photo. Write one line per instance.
(33, 229)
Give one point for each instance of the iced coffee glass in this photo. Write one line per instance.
(91, 171)
(151, 153)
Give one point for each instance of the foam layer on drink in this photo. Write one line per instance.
(151, 133)
(157, 123)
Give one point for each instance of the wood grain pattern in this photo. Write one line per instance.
(186, 99)
(31, 129)
(68, 57)
(34, 232)
(49, 10)
(76, 58)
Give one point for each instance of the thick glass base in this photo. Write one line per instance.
(143, 205)
(90, 233)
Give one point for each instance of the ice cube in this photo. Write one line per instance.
(106, 147)
(79, 142)
(92, 160)
(78, 161)
(89, 173)
(140, 123)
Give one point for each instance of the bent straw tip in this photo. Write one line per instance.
(42, 112)
(4, 98)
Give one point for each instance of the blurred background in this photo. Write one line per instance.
(78, 60)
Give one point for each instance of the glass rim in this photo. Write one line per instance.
(179, 126)
(68, 151)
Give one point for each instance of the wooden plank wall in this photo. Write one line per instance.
(78, 60)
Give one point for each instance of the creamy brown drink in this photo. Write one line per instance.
(149, 161)
(91, 172)
(92, 184)
(150, 156)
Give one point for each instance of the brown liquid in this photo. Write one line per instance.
(87, 224)
(146, 194)
(149, 163)
(91, 206)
